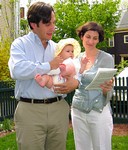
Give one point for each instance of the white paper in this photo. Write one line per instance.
(102, 75)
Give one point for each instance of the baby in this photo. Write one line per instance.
(68, 49)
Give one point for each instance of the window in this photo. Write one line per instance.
(21, 12)
(125, 38)
(111, 42)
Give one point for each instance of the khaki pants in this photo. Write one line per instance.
(42, 126)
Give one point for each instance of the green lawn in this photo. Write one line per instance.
(118, 142)
(8, 142)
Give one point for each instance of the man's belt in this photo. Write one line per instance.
(44, 101)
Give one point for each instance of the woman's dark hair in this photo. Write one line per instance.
(93, 26)
(39, 11)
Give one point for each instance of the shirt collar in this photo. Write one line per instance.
(35, 38)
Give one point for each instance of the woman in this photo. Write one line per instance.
(91, 111)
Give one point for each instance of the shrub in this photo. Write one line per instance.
(7, 125)
(4, 57)
(122, 65)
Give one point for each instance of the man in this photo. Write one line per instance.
(41, 117)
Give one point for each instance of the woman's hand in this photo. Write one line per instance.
(107, 86)
(66, 87)
(83, 63)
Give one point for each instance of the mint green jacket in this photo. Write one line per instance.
(87, 100)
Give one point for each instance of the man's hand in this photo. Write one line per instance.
(56, 62)
(66, 87)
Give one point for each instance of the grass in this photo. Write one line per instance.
(8, 142)
(120, 143)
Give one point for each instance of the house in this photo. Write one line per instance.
(9, 18)
(118, 44)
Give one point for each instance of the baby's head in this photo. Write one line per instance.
(68, 48)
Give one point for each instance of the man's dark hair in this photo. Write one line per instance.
(39, 11)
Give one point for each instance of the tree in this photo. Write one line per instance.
(8, 18)
(70, 14)
(124, 5)
(24, 28)
(4, 57)
(122, 65)
(8, 33)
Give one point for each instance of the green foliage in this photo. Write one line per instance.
(70, 14)
(24, 26)
(4, 57)
(67, 18)
(7, 125)
(122, 65)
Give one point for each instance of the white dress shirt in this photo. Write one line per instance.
(27, 58)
